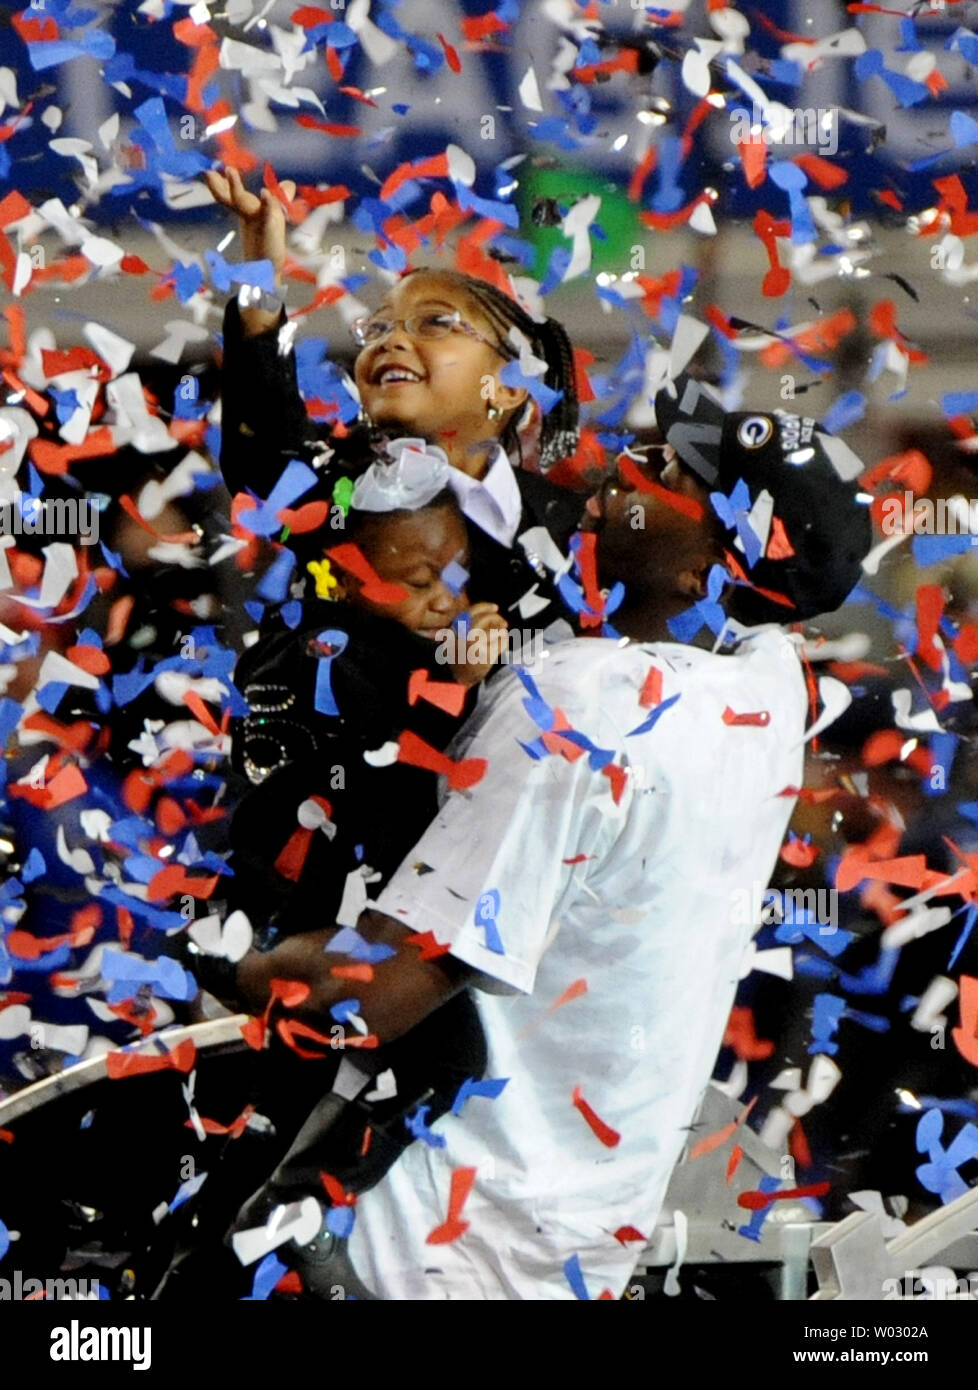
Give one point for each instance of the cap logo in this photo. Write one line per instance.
(755, 431)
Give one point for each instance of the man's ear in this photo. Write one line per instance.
(692, 580)
(510, 397)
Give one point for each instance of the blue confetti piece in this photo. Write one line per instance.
(488, 1089)
(959, 402)
(267, 1275)
(34, 865)
(930, 550)
(324, 700)
(654, 717)
(799, 925)
(752, 1231)
(291, 614)
(941, 1175)
(186, 1190)
(416, 1124)
(345, 1010)
(874, 978)
(827, 1014)
(274, 586)
(455, 577)
(964, 128)
(970, 918)
(349, 942)
(4, 1240)
(943, 747)
(844, 411)
(575, 1277)
(486, 912)
(340, 1221)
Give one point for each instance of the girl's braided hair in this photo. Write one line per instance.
(548, 339)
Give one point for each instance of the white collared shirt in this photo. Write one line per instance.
(493, 502)
(622, 930)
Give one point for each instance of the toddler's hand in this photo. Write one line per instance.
(485, 643)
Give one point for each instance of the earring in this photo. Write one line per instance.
(495, 412)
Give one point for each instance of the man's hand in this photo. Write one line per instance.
(261, 220)
(404, 988)
(482, 617)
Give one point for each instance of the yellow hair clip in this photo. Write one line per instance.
(324, 577)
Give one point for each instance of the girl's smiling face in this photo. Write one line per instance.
(413, 551)
(437, 387)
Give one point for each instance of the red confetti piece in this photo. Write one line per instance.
(822, 171)
(351, 558)
(573, 991)
(200, 711)
(337, 1193)
(445, 695)
(736, 1154)
(778, 277)
(454, 1226)
(757, 1201)
(175, 879)
(291, 858)
(930, 607)
(798, 1146)
(171, 538)
(461, 775)
(740, 1035)
(798, 854)
(753, 157)
(760, 719)
(89, 658)
(119, 1065)
(235, 1129)
(303, 519)
(329, 127)
(717, 1140)
(887, 196)
(608, 1136)
(334, 63)
(7, 1135)
(625, 1234)
(428, 945)
(618, 777)
(451, 56)
(482, 26)
(58, 458)
(361, 973)
(778, 546)
(66, 784)
(310, 17)
(76, 359)
(686, 506)
(12, 208)
(966, 1034)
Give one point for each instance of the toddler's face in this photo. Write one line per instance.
(413, 552)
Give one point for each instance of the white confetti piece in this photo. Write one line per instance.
(529, 90)
(299, 1221)
(836, 697)
(112, 348)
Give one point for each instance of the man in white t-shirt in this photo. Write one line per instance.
(584, 884)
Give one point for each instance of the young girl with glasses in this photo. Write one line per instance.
(431, 363)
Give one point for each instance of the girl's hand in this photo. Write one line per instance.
(484, 645)
(261, 220)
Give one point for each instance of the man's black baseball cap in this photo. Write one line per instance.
(820, 528)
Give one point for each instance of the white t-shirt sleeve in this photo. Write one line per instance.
(488, 876)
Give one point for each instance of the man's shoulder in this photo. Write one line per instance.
(584, 675)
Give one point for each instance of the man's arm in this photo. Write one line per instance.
(404, 988)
